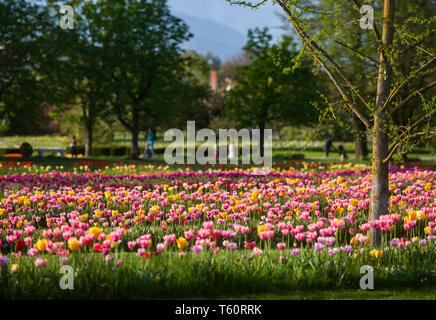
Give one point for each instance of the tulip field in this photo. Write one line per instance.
(150, 231)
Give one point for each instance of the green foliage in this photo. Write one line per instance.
(263, 92)
(122, 62)
(22, 91)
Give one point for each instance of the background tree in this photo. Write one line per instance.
(22, 90)
(263, 92)
(141, 41)
(389, 39)
(76, 65)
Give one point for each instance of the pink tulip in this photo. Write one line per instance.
(160, 247)
(40, 262)
(197, 249)
(131, 245)
(281, 245)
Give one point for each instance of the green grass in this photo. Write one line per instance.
(35, 141)
(167, 276)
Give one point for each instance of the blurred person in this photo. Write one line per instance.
(342, 153)
(151, 136)
(73, 147)
(328, 145)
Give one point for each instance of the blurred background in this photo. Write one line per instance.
(126, 66)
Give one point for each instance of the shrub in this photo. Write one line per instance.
(297, 156)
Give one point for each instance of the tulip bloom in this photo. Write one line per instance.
(182, 243)
(281, 245)
(40, 262)
(73, 244)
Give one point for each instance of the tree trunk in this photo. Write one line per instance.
(380, 177)
(134, 130)
(135, 140)
(361, 148)
(88, 140)
(379, 204)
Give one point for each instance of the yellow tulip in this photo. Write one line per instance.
(412, 215)
(261, 228)
(42, 245)
(96, 231)
(182, 243)
(73, 244)
(376, 253)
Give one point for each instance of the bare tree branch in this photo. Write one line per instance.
(395, 145)
(305, 39)
(418, 42)
(357, 51)
(412, 95)
(338, 69)
(248, 4)
(395, 92)
(404, 135)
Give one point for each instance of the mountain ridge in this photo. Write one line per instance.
(211, 36)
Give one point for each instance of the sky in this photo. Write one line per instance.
(221, 28)
(236, 17)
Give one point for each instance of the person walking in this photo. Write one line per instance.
(327, 146)
(342, 153)
(73, 147)
(151, 135)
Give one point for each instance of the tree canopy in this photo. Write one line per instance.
(264, 92)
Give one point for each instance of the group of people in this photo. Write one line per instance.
(341, 151)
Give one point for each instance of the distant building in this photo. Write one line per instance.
(214, 83)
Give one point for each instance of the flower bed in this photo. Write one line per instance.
(294, 219)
